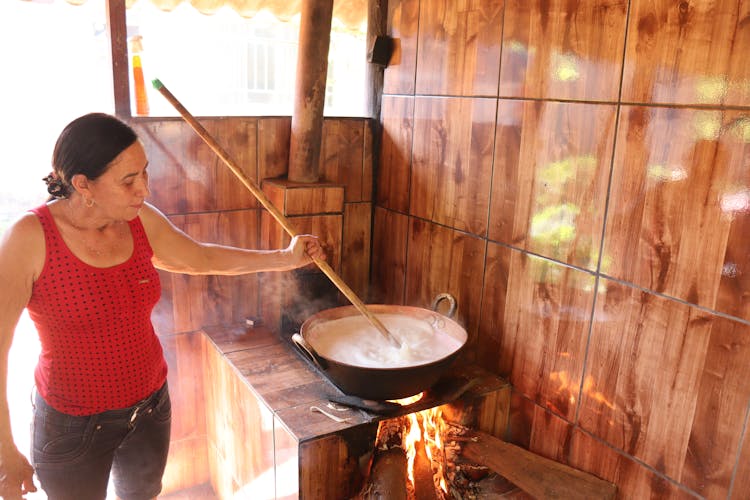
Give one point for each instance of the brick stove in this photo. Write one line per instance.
(265, 440)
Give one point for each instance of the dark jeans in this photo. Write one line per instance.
(73, 456)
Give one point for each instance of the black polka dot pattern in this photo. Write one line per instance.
(99, 350)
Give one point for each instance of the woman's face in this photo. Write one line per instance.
(121, 190)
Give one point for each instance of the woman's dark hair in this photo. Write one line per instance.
(86, 146)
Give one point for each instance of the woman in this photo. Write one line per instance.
(84, 265)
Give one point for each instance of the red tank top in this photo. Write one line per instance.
(99, 349)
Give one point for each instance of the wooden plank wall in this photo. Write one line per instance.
(576, 174)
(202, 197)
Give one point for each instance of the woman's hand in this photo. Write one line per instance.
(303, 249)
(16, 474)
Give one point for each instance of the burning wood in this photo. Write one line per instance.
(423, 457)
(436, 454)
(388, 474)
(414, 441)
(388, 477)
(424, 476)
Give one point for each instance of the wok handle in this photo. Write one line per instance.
(307, 349)
(451, 301)
(280, 218)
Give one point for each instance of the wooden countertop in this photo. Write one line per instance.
(289, 384)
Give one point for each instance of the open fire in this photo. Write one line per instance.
(439, 454)
(417, 452)
(410, 458)
(424, 429)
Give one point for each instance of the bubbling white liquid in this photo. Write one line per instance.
(354, 341)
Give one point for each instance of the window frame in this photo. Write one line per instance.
(117, 31)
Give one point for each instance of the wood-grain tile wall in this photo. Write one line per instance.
(578, 175)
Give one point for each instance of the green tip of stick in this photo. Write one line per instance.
(157, 84)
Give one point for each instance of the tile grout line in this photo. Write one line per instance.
(583, 270)
(487, 225)
(615, 449)
(411, 157)
(598, 275)
(678, 300)
(666, 105)
(740, 442)
(492, 182)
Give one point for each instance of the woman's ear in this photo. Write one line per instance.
(81, 184)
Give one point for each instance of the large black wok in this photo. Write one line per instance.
(383, 383)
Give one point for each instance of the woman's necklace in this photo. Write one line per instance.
(97, 250)
(84, 236)
(92, 250)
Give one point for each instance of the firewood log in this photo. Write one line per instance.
(424, 482)
(541, 477)
(388, 476)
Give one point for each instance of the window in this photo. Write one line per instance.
(267, 75)
(226, 65)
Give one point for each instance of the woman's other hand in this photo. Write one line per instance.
(303, 249)
(16, 474)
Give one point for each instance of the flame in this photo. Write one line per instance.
(410, 443)
(409, 400)
(424, 426)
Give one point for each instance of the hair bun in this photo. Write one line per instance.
(55, 186)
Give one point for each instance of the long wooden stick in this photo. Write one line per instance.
(280, 218)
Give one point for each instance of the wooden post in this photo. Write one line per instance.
(310, 90)
(377, 25)
(377, 17)
(119, 50)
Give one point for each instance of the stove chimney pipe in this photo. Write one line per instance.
(310, 90)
